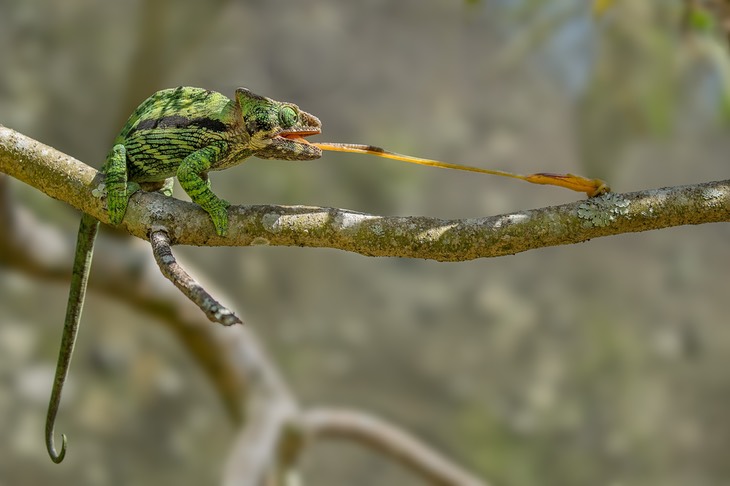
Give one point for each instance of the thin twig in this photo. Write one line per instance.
(176, 274)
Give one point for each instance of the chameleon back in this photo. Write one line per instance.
(171, 124)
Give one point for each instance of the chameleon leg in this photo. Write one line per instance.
(191, 174)
(116, 183)
(79, 279)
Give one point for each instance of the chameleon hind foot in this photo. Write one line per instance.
(116, 201)
(219, 216)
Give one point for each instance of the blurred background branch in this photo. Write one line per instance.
(562, 366)
(373, 432)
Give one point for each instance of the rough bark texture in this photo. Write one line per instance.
(65, 178)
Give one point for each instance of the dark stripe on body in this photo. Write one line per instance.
(177, 121)
(156, 154)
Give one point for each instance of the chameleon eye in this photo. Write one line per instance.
(287, 116)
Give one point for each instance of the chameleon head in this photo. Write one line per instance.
(277, 129)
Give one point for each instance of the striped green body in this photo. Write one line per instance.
(187, 132)
(172, 124)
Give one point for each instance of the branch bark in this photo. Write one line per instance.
(176, 274)
(64, 178)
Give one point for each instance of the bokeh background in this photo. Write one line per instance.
(600, 363)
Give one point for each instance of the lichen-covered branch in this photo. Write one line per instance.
(63, 177)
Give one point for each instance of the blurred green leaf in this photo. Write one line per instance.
(700, 20)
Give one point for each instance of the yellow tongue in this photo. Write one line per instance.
(592, 187)
(294, 136)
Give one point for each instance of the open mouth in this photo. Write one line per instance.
(298, 136)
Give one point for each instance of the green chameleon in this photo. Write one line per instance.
(185, 133)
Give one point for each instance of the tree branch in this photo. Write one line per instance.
(176, 274)
(256, 450)
(63, 177)
(245, 377)
(386, 439)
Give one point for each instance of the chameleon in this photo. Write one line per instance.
(186, 132)
(182, 132)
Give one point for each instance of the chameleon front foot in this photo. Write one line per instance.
(116, 201)
(219, 216)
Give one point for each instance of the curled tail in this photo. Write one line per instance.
(79, 278)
